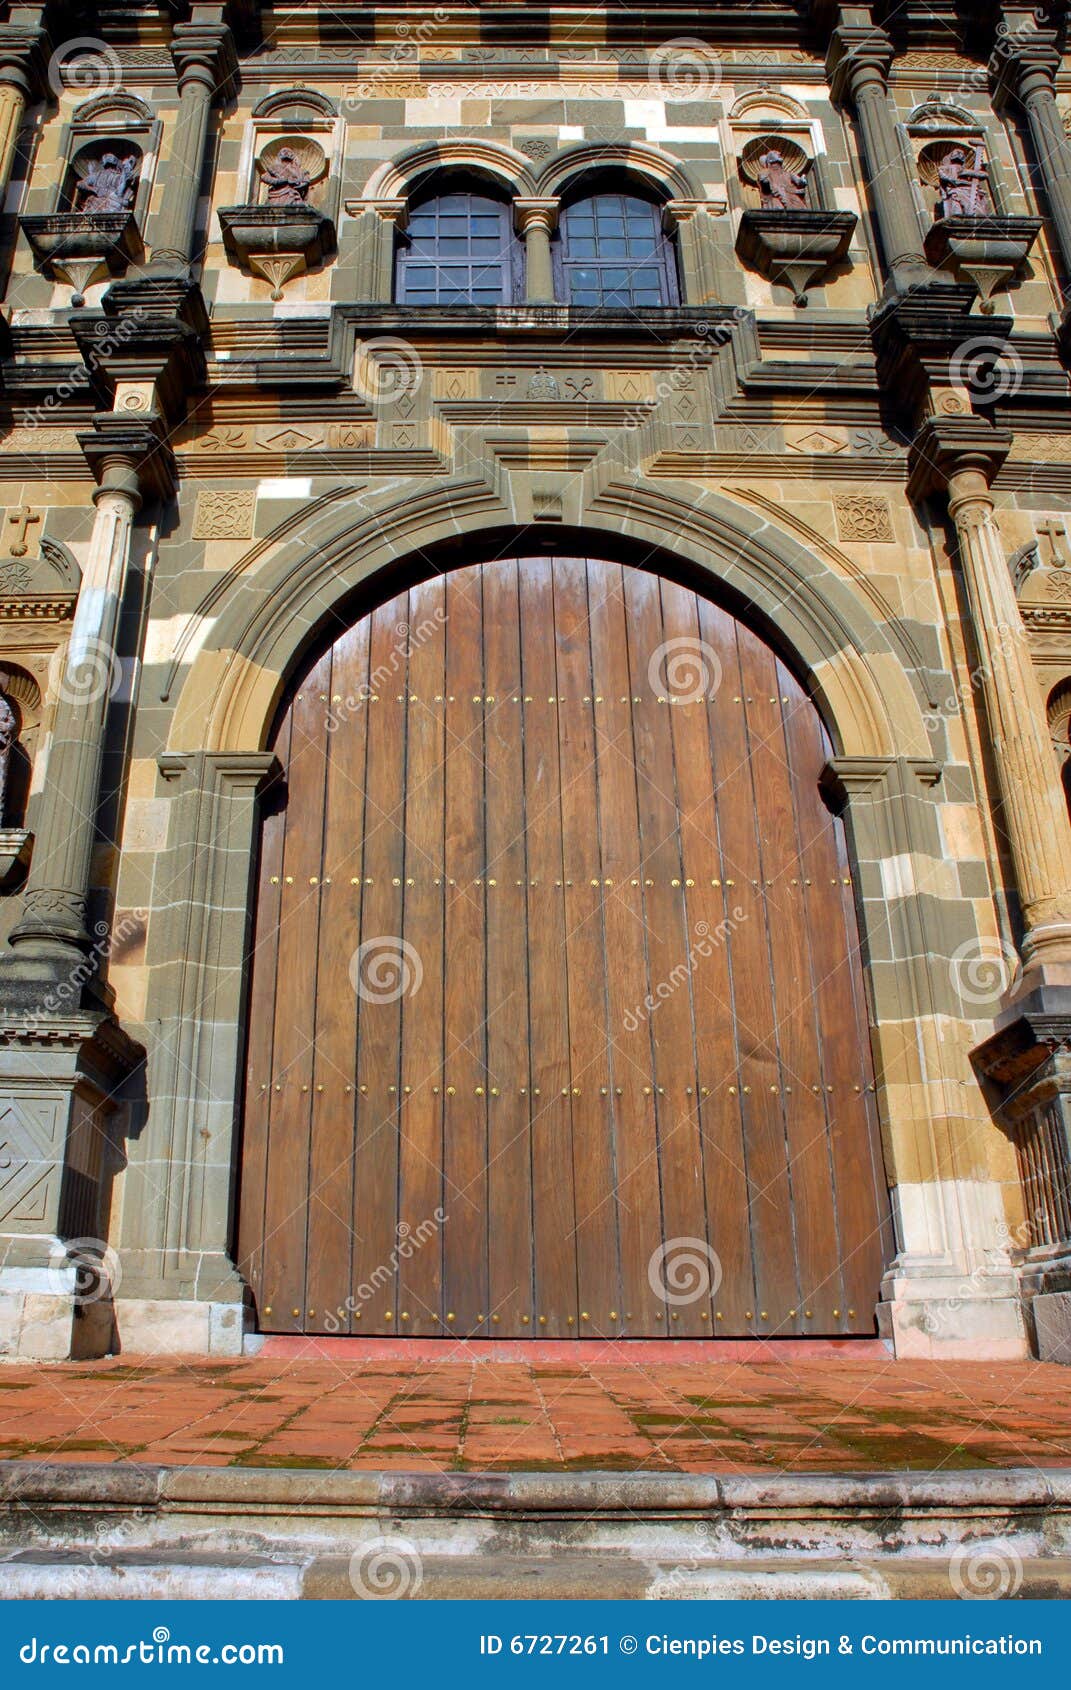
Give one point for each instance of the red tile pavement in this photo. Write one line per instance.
(478, 1407)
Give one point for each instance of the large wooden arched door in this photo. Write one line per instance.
(556, 1022)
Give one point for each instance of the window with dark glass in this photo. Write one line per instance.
(458, 249)
(613, 253)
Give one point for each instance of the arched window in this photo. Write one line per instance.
(613, 252)
(458, 249)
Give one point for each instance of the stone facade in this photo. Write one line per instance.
(856, 429)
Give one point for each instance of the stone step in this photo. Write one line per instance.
(140, 1530)
(182, 1576)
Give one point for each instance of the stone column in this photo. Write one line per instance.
(537, 220)
(52, 932)
(1032, 798)
(858, 67)
(1024, 66)
(206, 66)
(23, 51)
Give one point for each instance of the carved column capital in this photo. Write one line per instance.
(1023, 64)
(204, 57)
(858, 61)
(947, 448)
(24, 54)
(128, 456)
(536, 214)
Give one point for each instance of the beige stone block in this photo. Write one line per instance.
(141, 777)
(145, 824)
(962, 832)
(46, 1329)
(154, 1327)
(130, 982)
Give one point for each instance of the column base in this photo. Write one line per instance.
(947, 1316)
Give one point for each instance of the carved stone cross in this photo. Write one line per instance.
(22, 518)
(1055, 532)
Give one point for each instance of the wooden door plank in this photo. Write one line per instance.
(465, 1114)
(286, 1210)
(334, 1078)
(512, 1291)
(702, 669)
(382, 974)
(800, 1080)
(594, 1182)
(421, 1149)
(765, 1149)
(639, 1199)
(552, 1167)
(680, 1160)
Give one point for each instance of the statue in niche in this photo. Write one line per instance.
(107, 186)
(782, 189)
(964, 184)
(285, 178)
(9, 730)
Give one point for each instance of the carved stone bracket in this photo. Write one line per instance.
(985, 251)
(277, 242)
(796, 248)
(80, 247)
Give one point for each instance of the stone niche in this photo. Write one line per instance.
(785, 232)
(970, 236)
(94, 230)
(289, 174)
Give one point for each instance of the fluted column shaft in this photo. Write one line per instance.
(53, 924)
(204, 61)
(859, 61)
(1038, 96)
(1035, 810)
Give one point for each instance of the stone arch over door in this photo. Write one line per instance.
(257, 625)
